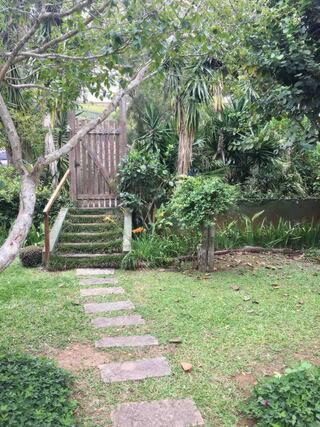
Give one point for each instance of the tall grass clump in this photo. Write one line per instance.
(153, 250)
(247, 231)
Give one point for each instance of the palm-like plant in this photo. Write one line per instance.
(191, 86)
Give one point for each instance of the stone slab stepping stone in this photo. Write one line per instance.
(98, 281)
(161, 413)
(100, 291)
(107, 322)
(127, 341)
(100, 307)
(134, 370)
(94, 271)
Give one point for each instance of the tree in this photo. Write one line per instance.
(284, 57)
(99, 45)
(195, 204)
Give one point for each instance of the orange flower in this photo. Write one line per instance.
(138, 230)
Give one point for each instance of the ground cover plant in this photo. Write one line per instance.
(291, 399)
(235, 325)
(34, 392)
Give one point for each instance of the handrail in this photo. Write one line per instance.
(46, 212)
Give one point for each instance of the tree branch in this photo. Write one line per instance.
(17, 49)
(71, 33)
(61, 56)
(13, 136)
(68, 12)
(29, 86)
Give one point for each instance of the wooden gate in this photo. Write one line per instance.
(94, 162)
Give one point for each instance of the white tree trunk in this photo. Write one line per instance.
(50, 148)
(22, 224)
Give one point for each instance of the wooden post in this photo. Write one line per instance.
(46, 212)
(127, 230)
(46, 238)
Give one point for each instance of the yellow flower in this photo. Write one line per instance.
(108, 218)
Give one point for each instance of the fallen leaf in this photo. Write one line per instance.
(247, 298)
(301, 302)
(61, 286)
(235, 287)
(275, 286)
(255, 302)
(176, 340)
(187, 367)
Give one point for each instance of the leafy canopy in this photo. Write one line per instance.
(197, 201)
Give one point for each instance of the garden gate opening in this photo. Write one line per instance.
(94, 161)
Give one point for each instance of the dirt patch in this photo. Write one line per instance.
(244, 261)
(245, 422)
(245, 381)
(80, 356)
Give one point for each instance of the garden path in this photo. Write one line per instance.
(161, 413)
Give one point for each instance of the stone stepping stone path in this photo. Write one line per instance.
(162, 413)
(107, 322)
(134, 370)
(98, 281)
(101, 307)
(127, 341)
(94, 271)
(100, 291)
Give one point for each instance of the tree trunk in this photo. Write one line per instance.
(50, 148)
(185, 146)
(206, 250)
(22, 224)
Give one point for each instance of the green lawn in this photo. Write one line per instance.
(223, 332)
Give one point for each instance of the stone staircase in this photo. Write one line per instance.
(89, 238)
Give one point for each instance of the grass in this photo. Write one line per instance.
(284, 234)
(223, 332)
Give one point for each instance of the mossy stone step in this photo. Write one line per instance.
(58, 262)
(91, 237)
(94, 211)
(91, 218)
(70, 227)
(114, 246)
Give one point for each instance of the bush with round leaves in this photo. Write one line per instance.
(291, 399)
(34, 392)
(31, 256)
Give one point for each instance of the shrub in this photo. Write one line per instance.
(34, 392)
(291, 399)
(9, 198)
(197, 200)
(144, 183)
(31, 256)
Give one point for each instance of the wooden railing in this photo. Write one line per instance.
(46, 213)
